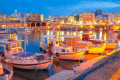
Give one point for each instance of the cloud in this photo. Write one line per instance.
(83, 5)
(94, 5)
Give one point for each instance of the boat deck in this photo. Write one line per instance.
(24, 54)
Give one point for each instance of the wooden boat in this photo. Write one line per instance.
(60, 50)
(22, 59)
(98, 49)
(75, 56)
(111, 45)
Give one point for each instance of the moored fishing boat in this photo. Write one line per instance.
(60, 50)
(14, 54)
(90, 37)
(98, 49)
(111, 45)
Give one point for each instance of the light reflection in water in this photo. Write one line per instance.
(90, 31)
(68, 33)
(105, 36)
(118, 43)
(80, 34)
(75, 33)
(100, 37)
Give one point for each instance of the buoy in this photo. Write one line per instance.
(57, 54)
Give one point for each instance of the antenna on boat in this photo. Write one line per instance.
(25, 33)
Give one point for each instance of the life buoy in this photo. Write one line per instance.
(57, 54)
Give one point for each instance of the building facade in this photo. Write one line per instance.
(87, 18)
(117, 18)
(70, 19)
(3, 17)
(17, 15)
(108, 17)
(35, 17)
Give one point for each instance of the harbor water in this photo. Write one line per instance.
(32, 45)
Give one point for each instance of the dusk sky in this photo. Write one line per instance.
(58, 7)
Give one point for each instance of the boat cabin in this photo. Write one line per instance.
(76, 42)
(63, 49)
(11, 47)
(55, 42)
(87, 36)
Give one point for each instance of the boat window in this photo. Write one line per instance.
(18, 45)
(13, 45)
(63, 50)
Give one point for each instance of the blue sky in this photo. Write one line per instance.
(58, 7)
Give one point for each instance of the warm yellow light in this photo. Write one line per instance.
(100, 37)
(90, 26)
(81, 26)
(115, 27)
(90, 31)
(48, 32)
(62, 22)
(105, 37)
(58, 26)
(48, 27)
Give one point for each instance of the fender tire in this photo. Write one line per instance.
(57, 54)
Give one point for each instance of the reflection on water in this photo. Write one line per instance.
(58, 65)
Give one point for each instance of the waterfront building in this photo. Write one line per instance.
(117, 18)
(109, 17)
(87, 18)
(57, 18)
(13, 19)
(3, 17)
(70, 19)
(35, 17)
(17, 15)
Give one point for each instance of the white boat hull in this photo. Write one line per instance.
(30, 64)
(41, 66)
(2, 32)
(74, 56)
